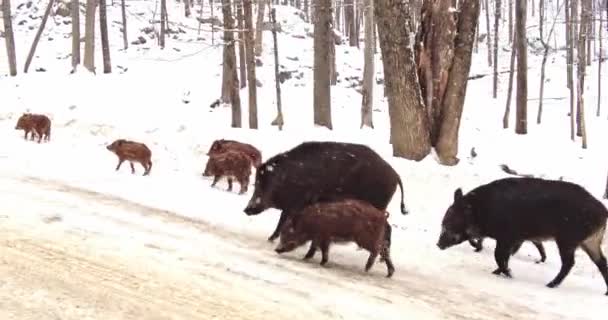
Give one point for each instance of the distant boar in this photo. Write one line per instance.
(347, 220)
(37, 124)
(132, 151)
(230, 164)
(223, 145)
(320, 172)
(478, 245)
(513, 210)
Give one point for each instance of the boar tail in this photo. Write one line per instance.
(403, 209)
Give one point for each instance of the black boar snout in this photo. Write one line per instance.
(250, 211)
(109, 147)
(279, 250)
(441, 246)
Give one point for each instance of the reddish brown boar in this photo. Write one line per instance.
(347, 220)
(132, 151)
(36, 124)
(231, 164)
(222, 145)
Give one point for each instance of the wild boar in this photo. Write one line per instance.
(320, 172)
(347, 220)
(513, 210)
(36, 124)
(478, 245)
(223, 145)
(231, 164)
(132, 151)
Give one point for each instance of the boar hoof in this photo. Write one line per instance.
(323, 263)
(500, 271)
(552, 284)
(390, 273)
(607, 293)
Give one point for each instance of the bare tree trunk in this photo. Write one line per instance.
(89, 36)
(163, 22)
(353, 36)
(606, 191)
(496, 26)
(75, 13)
(338, 15)
(489, 32)
(105, 45)
(322, 64)
(511, 21)
(9, 37)
(333, 71)
(570, 44)
(253, 97)
(568, 26)
(242, 62)
(30, 55)
(212, 25)
(546, 47)
(349, 15)
(187, 8)
(409, 129)
(541, 18)
(278, 120)
(367, 91)
(306, 11)
(232, 82)
(124, 24)
(581, 65)
(599, 67)
(453, 103)
(505, 118)
(521, 95)
(258, 28)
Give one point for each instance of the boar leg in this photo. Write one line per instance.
(277, 231)
(593, 247)
(476, 243)
(541, 250)
(566, 252)
(229, 184)
(25, 136)
(371, 260)
(501, 255)
(324, 245)
(215, 180)
(132, 167)
(312, 250)
(384, 253)
(244, 184)
(120, 161)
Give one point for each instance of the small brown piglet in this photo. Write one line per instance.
(36, 124)
(132, 151)
(231, 164)
(347, 220)
(222, 145)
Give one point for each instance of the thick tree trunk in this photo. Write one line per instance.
(434, 53)
(123, 10)
(105, 44)
(521, 98)
(322, 64)
(187, 8)
(75, 13)
(232, 80)
(9, 37)
(367, 91)
(258, 27)
(163, 22)
(454, 97)
(253, 97)
(89, 36)
(511, 29)
(349, 17)
(409, 129)
(242, 60)
(30, 56)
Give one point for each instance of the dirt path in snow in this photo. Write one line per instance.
(70, 253)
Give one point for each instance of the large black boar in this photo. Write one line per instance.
(478, 245)
(323, 171)
(513, 210)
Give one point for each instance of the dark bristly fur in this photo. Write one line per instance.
(222, 145)
(36, 124)
(323, 171)
(132, 151)
(232, 164)
(513, 210)
(348, 220)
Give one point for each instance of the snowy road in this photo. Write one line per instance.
(70, 253)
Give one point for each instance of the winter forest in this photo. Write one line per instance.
(145, 159)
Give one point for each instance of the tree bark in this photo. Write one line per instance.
(232, 80)
(105, 44)
(453, 103)
(521, 98)
(599, 66)
(9, 37)
(488, 32)
(278, 120)
(511, 29)
(570, 57)
(367, 91)
(163, 22)
(187, 8)
(75, 13)
(89, 36)
(581, 65)
(409, 129)
(30, 55)
(253, 100)
(242, 60)
(322, 64)
(123, 10)
(258, 28)
(505, 118)
(496, 39)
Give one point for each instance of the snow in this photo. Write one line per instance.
(142, 100)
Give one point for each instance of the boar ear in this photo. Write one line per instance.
(458, 195)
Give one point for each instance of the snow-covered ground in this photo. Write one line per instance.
(62, 201)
